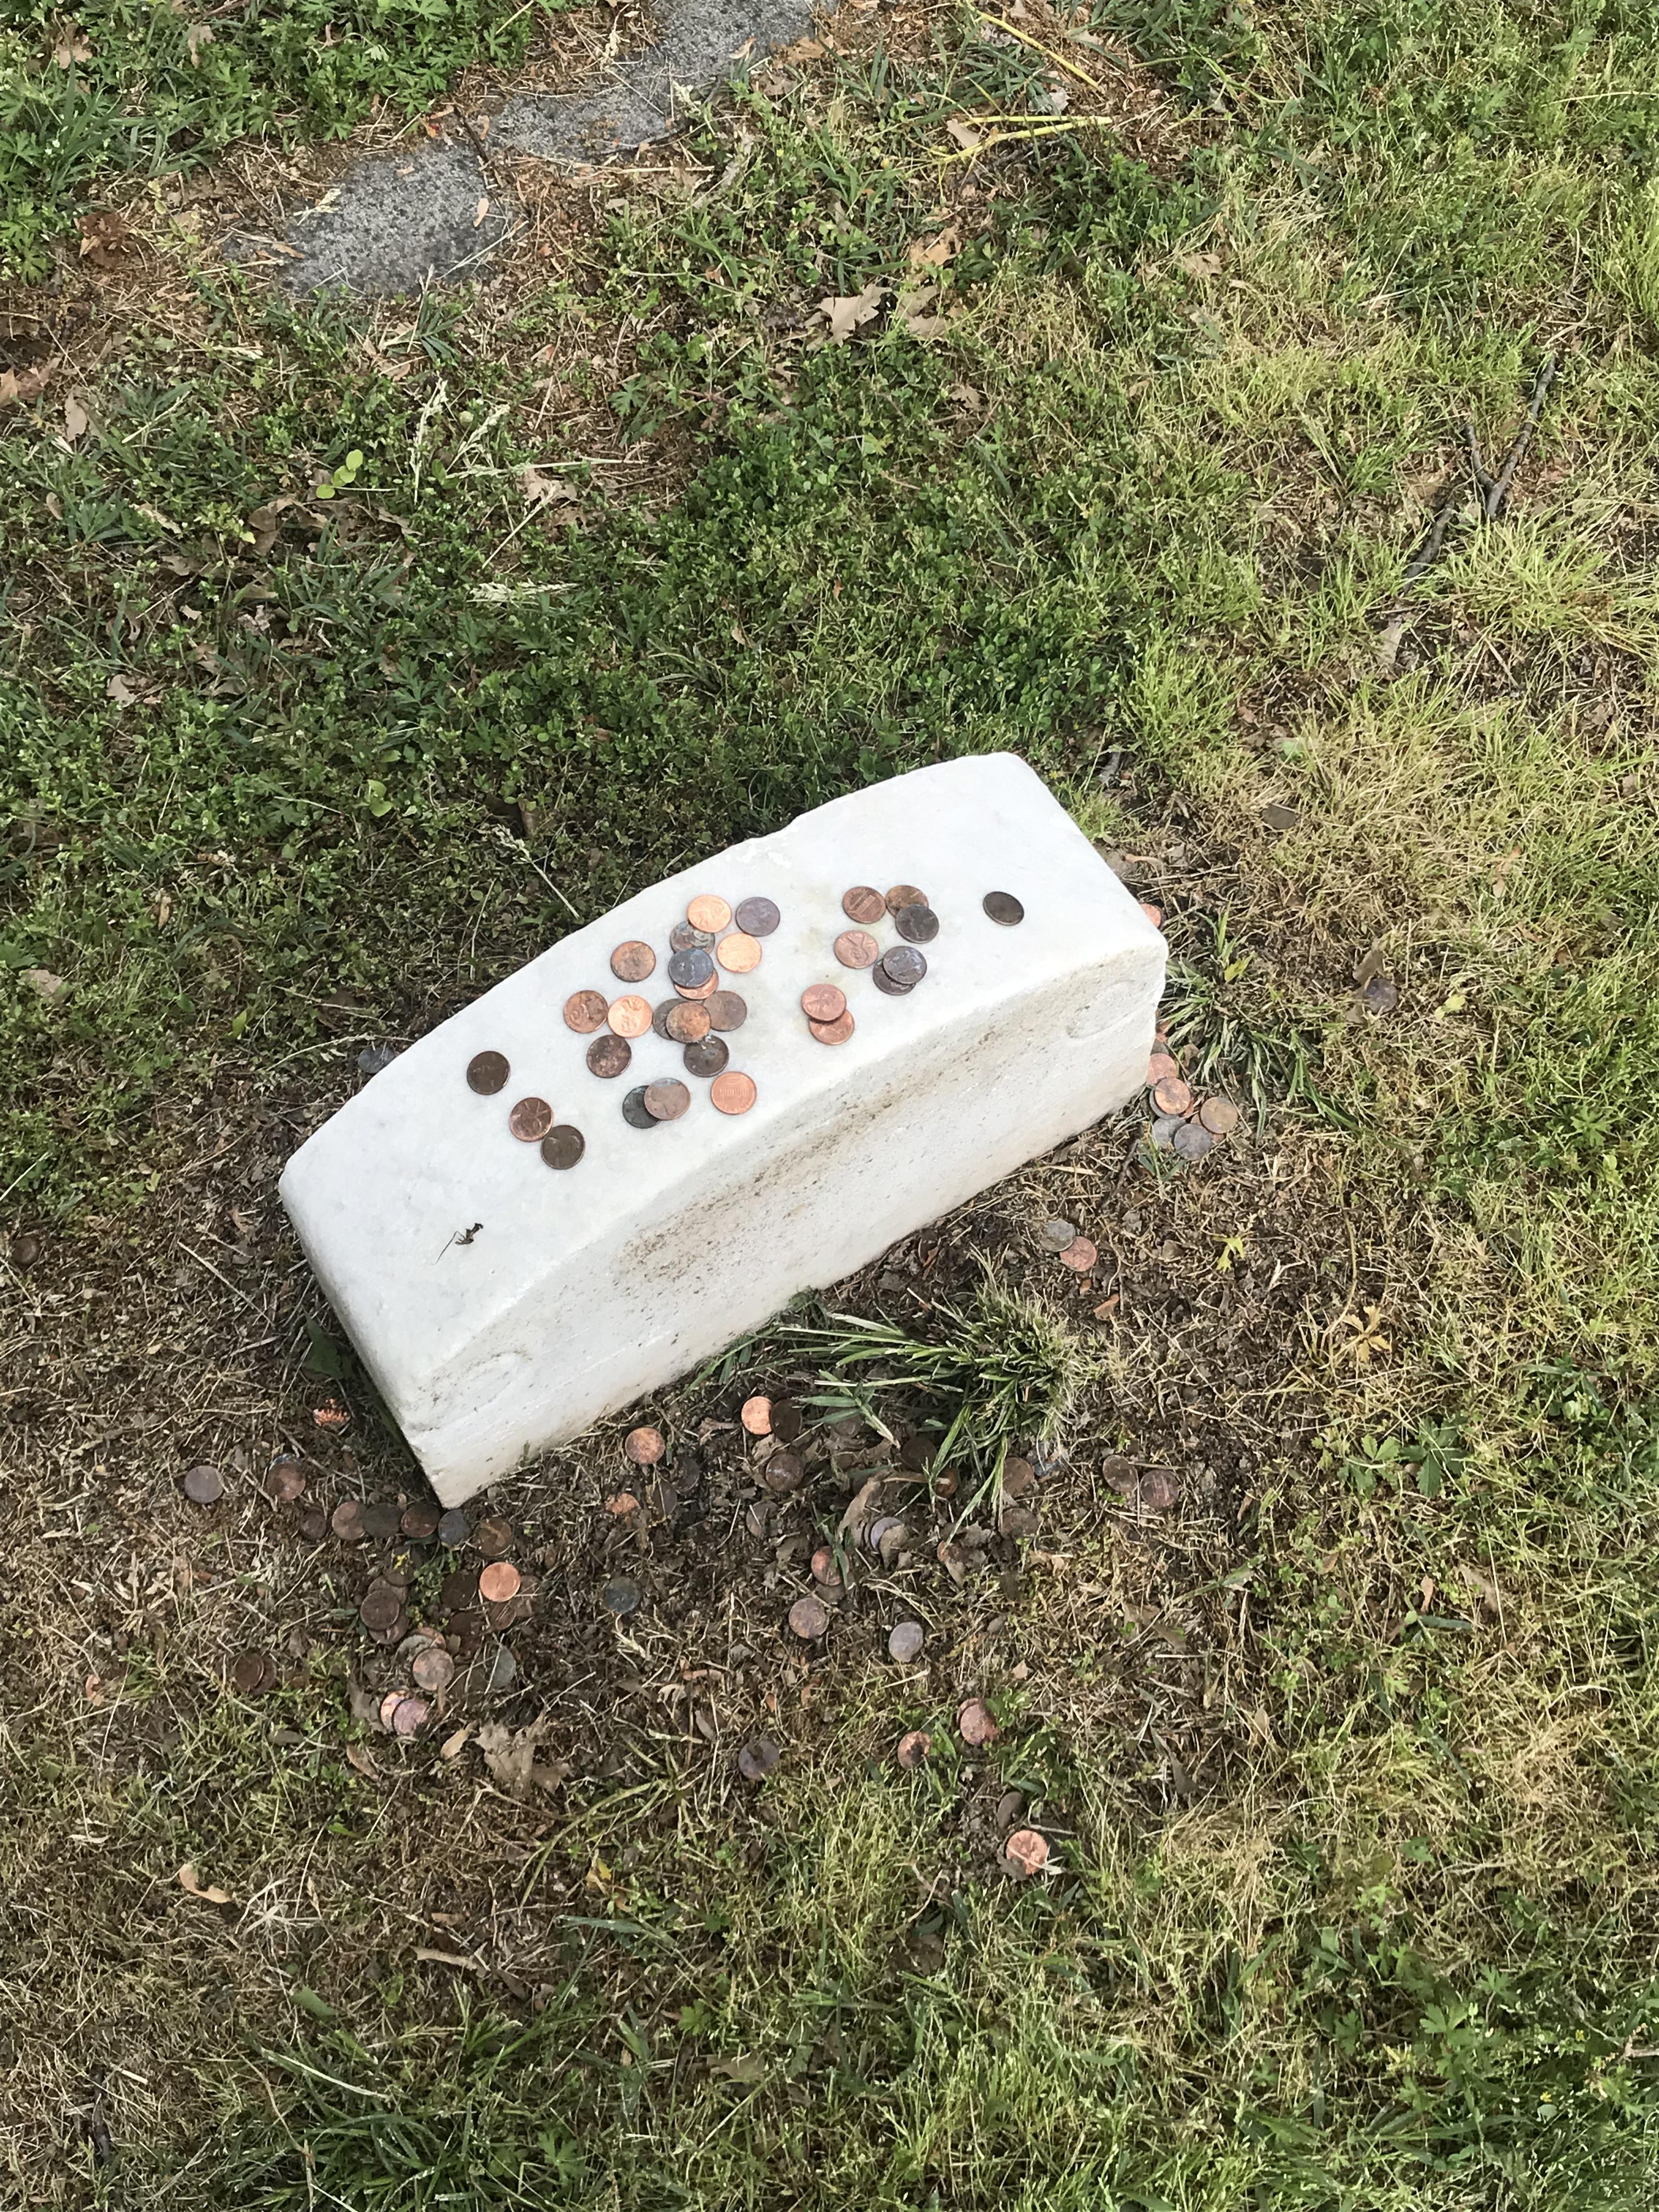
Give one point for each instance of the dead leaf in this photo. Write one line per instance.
(104, 239)
(483, 209)
(192, 1887)
(155, 514)
(1199, 264)
(16, 390)
(453, 1746)
(197, 36)
(510, 1755)
(850, 312)
(965, 134)
(803, 50)
(76, 421)
(52, 989)
(934, 253)
(541, 489)
(747, 2069)
(72, 48)
(362, 1759)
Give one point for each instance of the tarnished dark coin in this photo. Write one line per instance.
(785, 1420)
(381, 1606)
(756, 917)
(609, 1054)
(758, 1757)
(904, 895)
(563, 1145)
(809, 1618)
(727, 1010)
(530, 1120)
(732, 1093)
(917, 925)
(486, 1072)
(635, 1112)
(311, 1522)
(863, 902)
(454, 1529)
(493, 1536)
(285, 1480)
(247, 1671)
(622, 1596)
(686, 970)
(628, 1016)
(707, 1057)
(667, 1102)
(433, 1669)
(380, 1523)
(784, 1471)
(1219, 1116)
(1003, 906)
(460, 1591)
(420, 1520)
(347, 1521)
(683, 937)
(688, 1021)
(1192, 1140)
(585, 1012)
(203, 1485)
(835, 1032)
(890, 985)
(632, 962)
(823, 1002)
(660, 1012)
(856, 948)
(902, 963)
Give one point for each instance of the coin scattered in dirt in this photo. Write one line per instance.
(493, 1536)
(975, 1723)
(249, 1671)
(809, 1618)
(645, 1447)
(758, 1758)
(1219, 1116)
(1057, 1234)
(913, 1749)
(420, 1520)
(499, 1582)
(757, 1416)
(410, 1716)
(203, 1485)
(1159, 1068)
(285, 1481)
(1192, 1140)
(434, 1669)
(1017, 1476)
(1026, 1852)
(622, 1596)
(1079, 1255)
(454, 1529)
(1172, 1095)
(904, 1644)
(347, 1521)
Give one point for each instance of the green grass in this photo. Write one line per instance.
(1403, 1950)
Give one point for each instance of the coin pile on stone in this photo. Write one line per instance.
(1182, 1122)
(530, 1120)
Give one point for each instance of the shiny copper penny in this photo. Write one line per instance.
(904, 964)
(683, 937)
(756, 1415)
(698, 991)
(499, 1582)
(667, 1102)
(1159, 1066)
(835, 1032)
(707, 1057)
(690, 968)
(856, 948)
(1079, 1255)
(739, 954)
(1172, 1095)
(635, 1112)
(1219, 1116)
(632, 962)
(732, 1093)
(759, 917)
(584, 1011)
(916, 925)
(530, 1120)
(726, 1010)
(687, 1021)
(1003, 906)
(645, 1447)
(823, 1002)
(709, 911)
(863, 903)
(904, 895)
(487, 1072)
(630, 1016)
(608, 1054)
(563, 1145)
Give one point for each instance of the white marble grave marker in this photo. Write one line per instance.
(582, 1290)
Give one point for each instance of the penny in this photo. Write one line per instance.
(410, 1716)
(458, 1591)
(904, 964)
(347, 1521)
(700, 992)
(530, 1120)
(739, 954)
(632, 962)
(683, 937)
(887, 984)
(434, 1669)
(856, 948)
(709, 911)
(758, 1758)
(563, 1145)
(380, 1608)
(707, 1056)
(823, 1002)
(688, 969)
(1192, 1140)
(667, 1102)
(630, 1016)
(585, 1012)
(785, 1471)
(622, 1596)
(904, 895)
(757, 917)
(389, 1705)
(835, 1032)
(1153, 914)
(1219, 1116)
(247, 1672)
(420, 1520)
(380, 1523)
(1162, 1133)
(913, 1749)
(645, 1447)
(454, 1529)
(809, 1618)
(608, 1054)
(203, 1485)
(974, 1721)
(1057, 1234)
(660, 1012)
(285, 1481)
(757, 1416)
(1172, 1095)
(917, 925)
(732, 1093)
(726, 1010)
(687, 1021)
(786, 1421)
(863, 903)
(1017, 1476)
(312, 1523)
(905, 1643)
(499, 1582)
(486, 1072)
(1003, 906)
(1159, 1067)
(1026, 1852)
(635, 1112)
(1079, 1256)
(493, 1536)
